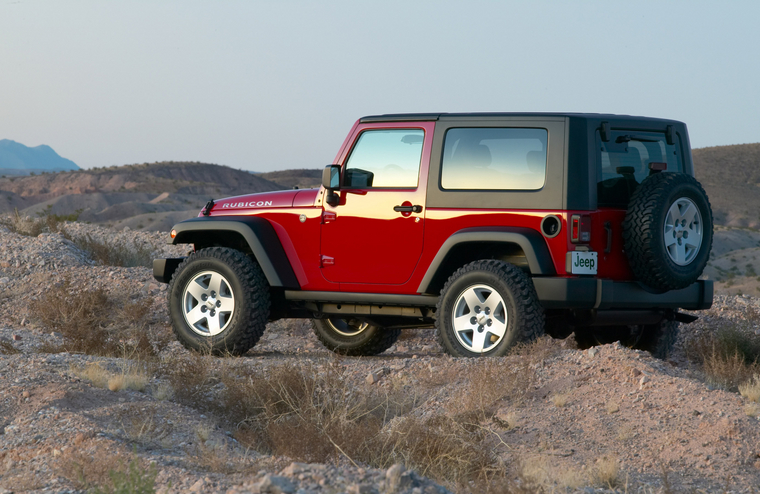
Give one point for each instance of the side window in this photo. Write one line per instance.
(624, 163)
(385, 158)
(494, 159)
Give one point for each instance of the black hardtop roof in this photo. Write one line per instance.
(418, 117)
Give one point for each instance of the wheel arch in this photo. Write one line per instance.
(524, 247)
(253, 236)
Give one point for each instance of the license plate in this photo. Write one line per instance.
(583, 262)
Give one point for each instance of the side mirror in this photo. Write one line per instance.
(331, 182)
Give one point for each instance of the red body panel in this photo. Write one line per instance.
(363, 245)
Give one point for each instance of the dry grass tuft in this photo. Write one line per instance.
(560, 399)
(751, 389)
(752, 409)
(131, 377)
(549, 477)
(606, 472)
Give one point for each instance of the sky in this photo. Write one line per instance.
(272, 85)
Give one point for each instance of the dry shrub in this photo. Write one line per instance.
(451, 449)
(309, 413)
(751, 389)
(7, 348)
(92, 323)
(46, 222)
(729, 357)
(492, 381)
(112, 253)
(89, 470)
(189, 376)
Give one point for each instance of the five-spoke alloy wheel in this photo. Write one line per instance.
(219, 301)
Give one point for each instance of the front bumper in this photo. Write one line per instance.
(591, 293)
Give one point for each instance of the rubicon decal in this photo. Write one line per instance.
(251, 204)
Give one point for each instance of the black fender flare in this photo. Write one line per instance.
(530, 241)
(257, 232)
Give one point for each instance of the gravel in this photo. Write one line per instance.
(651, 416)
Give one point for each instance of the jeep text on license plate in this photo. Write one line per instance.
(583, 262)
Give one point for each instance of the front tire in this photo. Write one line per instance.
(219, 302)
(485, 308)
(352, 337)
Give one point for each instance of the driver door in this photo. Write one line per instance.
(374, 234)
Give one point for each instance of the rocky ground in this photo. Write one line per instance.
(606, 419)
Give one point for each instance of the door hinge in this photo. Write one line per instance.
(326, 261)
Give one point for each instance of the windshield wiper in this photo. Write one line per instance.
(632, 137)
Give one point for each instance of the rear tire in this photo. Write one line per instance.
(352, 337)
(485, 308)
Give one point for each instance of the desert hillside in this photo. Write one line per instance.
(93, 381)
(731, 178)
(143, 197)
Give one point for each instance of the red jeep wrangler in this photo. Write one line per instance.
(494, 227)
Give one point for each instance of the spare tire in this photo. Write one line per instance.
(668, 231)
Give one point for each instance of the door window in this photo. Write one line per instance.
(385, 158)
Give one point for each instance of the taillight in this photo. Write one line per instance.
(580, 228)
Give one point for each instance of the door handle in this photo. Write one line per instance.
(408, 209)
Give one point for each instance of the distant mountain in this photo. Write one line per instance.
(16, 156)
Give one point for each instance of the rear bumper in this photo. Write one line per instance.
(590, 293)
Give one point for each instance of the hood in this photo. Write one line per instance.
(265, 200)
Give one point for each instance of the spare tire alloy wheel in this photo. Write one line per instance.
(683, 231)
(219, 301)
(668, 231)
(485, 308)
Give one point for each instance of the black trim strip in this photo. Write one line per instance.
(363, 298)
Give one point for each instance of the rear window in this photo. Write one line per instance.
(494, 159)
(624, 162)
